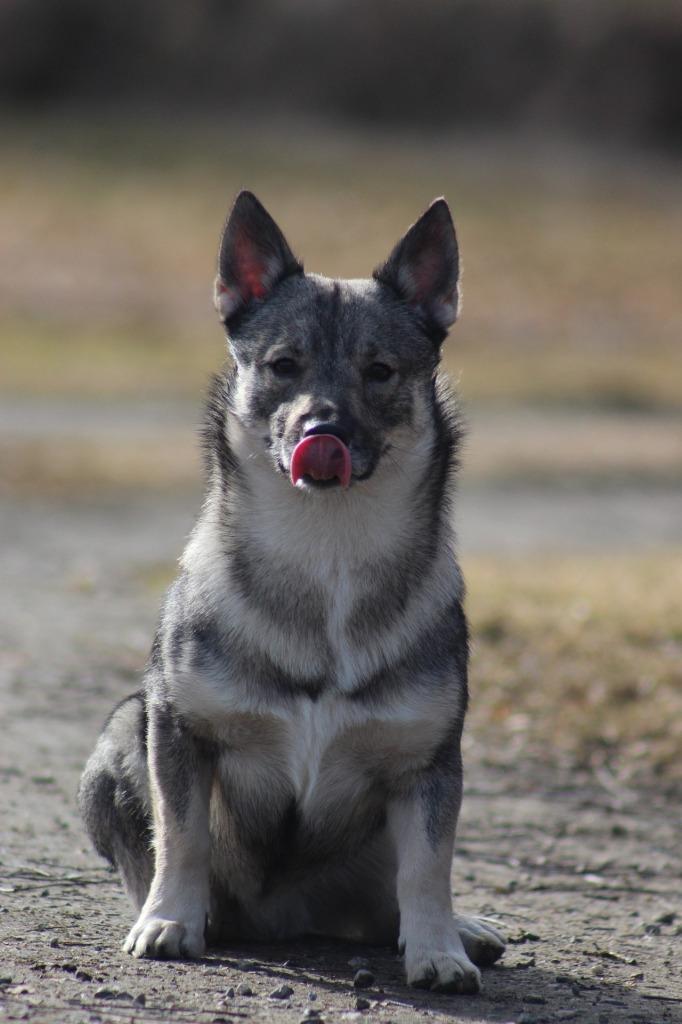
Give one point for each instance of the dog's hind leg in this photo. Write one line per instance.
(113, 797)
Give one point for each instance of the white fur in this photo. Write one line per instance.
(173, 917)
(434, 951)
(333, 536)
(225, 299)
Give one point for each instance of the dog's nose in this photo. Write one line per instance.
(334, 428)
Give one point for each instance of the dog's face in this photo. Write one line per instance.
(332, 377)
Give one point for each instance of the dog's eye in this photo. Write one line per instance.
(284, 367)
(378, 372)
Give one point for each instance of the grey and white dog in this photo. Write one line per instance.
(293, 763)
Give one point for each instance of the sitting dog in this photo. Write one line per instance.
(292, 765)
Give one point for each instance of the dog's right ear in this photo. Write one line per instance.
(254, 257)
(423, 269)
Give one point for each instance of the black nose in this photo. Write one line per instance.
(336, 429)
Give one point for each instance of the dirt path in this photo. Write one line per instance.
(583, 877)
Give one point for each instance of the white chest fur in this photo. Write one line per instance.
(332, 750)
(331, 540)
(312, 729)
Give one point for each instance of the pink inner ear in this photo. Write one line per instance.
(427, 261)
(251, 269)
(425, 274)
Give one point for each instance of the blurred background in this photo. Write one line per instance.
(553, 127)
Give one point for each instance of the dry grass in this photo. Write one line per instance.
(86, 466)
(580, 658)
(559, 447)
(108, 237)
(57, 359)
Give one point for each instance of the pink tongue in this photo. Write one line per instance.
(321, 457)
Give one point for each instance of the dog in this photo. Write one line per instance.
(292, 765)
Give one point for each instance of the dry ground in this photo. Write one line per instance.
(569, 519)
(579, 867)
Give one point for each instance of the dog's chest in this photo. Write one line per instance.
(311, 586)
(327, 753)
(341, 584)
(310, 732)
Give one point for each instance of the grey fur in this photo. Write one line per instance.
(114, 797)
(178, 756)
(289, 732)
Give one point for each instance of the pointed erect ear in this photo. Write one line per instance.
(423, 269)
(254, 257)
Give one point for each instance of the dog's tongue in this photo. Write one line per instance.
(321, 457)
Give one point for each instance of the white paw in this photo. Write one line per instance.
(443, 970)
(161, 938)
(483, 943)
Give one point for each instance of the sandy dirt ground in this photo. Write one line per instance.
(583, 876)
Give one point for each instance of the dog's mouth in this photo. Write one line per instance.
(321, 461)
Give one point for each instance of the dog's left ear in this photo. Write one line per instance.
(423, 269)
(254, 256)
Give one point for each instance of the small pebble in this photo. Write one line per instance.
(312, 996)
(244, 990)
(83, 976)
(112, 993)
(306, 1019)
(282, 992)
(361, 1003)
(522, 937)
(140, 999)
(363, 979)
(6, 979)
(105, 993)
(359, 963)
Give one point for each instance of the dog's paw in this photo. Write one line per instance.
(483, 943)
(159, 938)
(442, 970)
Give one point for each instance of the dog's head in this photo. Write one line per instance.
(333, 375)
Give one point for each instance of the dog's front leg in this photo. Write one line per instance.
(439, 947)
(172, 921)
